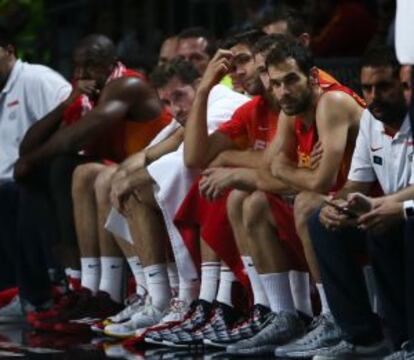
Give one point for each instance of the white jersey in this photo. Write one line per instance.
(31, 92)
(378, 156)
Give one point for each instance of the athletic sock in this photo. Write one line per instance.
(300, 285)
(226, 285)
(210, 275)
(259, 294)
(139, 276)
(158, 286)
(278, 291)
(91, 273)
(188, 289)
(173, 278)
(324, 301)
(111, 276)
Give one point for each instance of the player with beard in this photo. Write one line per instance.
(312, 110)
(357, 223)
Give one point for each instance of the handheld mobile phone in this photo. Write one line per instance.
(342, 210)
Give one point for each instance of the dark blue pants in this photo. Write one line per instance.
(8, 224)
(392, 258)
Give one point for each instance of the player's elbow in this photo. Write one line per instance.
(192, 161)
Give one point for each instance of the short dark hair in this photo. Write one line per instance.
(99, 48)
(248, 38)
(268, 42)
(295, 20)
(381, 55)
(291, 49)
(199, 31)
(178, 67)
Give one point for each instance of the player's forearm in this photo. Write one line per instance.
(196, 132)
(402, 195)
(42, 130)
(165, 147)
(239, 158)
(268, 183)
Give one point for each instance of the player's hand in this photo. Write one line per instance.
(333, 219)
(359, 203)
(83, 87)
(219, 66)
(120, 191)
(382, 217)
(215, 181)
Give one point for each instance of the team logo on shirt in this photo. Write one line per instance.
(377, 160)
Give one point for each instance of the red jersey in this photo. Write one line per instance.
(253, 125)
(308, 137)
(123, 138)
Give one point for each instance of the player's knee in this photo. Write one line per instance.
(255, 209)
(83, 178)
(235, 204)
(102, 185)
(304, 206)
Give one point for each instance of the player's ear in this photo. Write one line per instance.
(314, 76)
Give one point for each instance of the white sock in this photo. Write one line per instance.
(210, 275)
(226, 285)
(300, 285)
(255, 282)
(277, 288)
(324, 301)
(76, 274)
(91, 273)
(139, 276)
(188, 289)
(158, 286)
(173, 277)
(111, 277)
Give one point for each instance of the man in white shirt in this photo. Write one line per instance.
(355, 222)
(27, 93)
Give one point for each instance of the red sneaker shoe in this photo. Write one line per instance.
(99, 307)
(66, 302)
(6, 296)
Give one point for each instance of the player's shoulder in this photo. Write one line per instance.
(36, 73)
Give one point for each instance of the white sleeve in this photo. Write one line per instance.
(361, 166)
(222, 103)
(48, 90)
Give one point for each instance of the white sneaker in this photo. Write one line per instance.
(134, 307)
(176, 311)
(12, 312)
(148, 316)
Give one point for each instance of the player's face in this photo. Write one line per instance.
(383, 93)
(244, 74)
(194, 50)
(88, 68)
(168, 50)
(405, 78)
(260, 61)
(6, 56)
(178, 97)
(290, 86)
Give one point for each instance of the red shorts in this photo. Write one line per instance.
(198, 217)
(286, 231)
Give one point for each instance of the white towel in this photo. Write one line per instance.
(173, 180)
